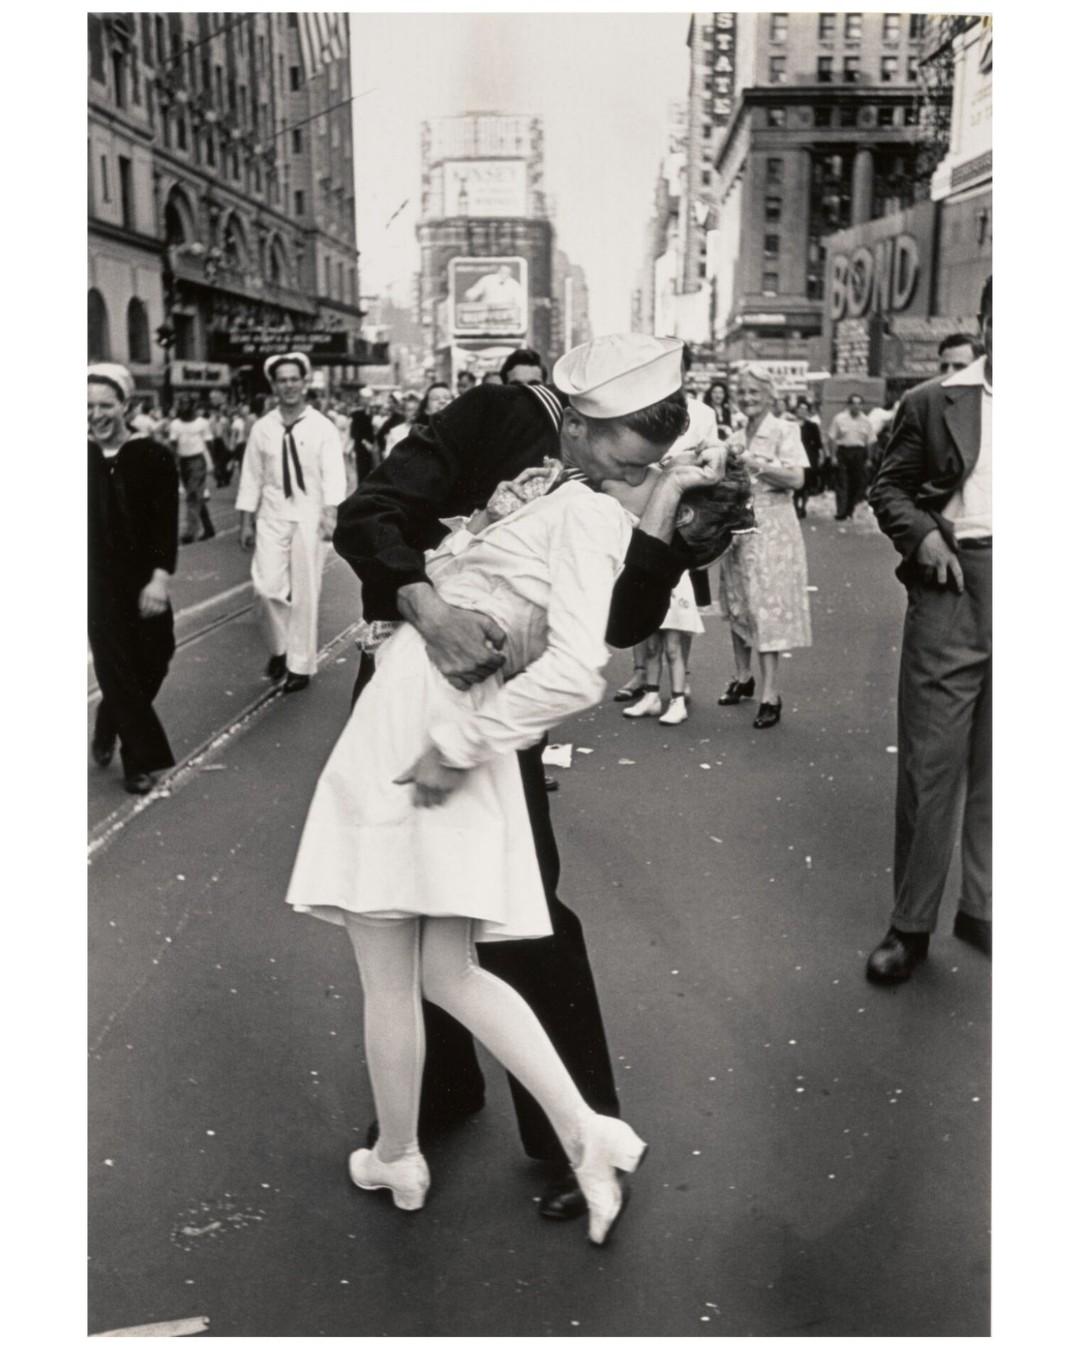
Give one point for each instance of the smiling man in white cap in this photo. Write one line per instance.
(292, 480)
(620, 405)
(131, 535)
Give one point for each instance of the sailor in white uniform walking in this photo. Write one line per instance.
(292, 481)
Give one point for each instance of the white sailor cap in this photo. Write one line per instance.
(272, 362)
(618, 374)
(111, 372)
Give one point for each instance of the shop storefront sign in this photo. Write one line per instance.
(199, 375)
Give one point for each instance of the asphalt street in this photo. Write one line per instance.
(820, 1157)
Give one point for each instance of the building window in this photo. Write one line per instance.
(770, 282)
(292, 20)
(849, 115)
(97, 327)
(119, 66)
(773, 208)
(147, 39)
(852, 27)
(890, 69)
(825, 69)
(341, 281)
(826, 27)
(774, 170)
(916, 26)
(159, 38)
(890, 27)
(778, 28)
(234, 165)
(138, 327)
(97, 49)
(298, 202)
(127, 204)
(294, 78)
(823, 115)
(105, 179)
(211, 150)
(885, 117)
(772, 246)
(298, 142)
(851, 70)
(777, 69)
(777, 117)
(913, 69)
(136, 82)
(181, 130)
(911, 116)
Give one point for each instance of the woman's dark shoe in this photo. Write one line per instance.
(139, 783)
(276, 667)
(736, 690)
(768, 714)
(294, 683)
(630, 691)
(102, 751)
(563, 1198)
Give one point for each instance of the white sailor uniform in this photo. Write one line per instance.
(288, 477)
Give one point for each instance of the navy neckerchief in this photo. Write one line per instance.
(288, 447)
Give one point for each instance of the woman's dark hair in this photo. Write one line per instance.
(724, 411)
(186, 411)
(423, 418)
(660, 423)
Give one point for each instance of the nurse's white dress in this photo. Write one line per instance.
(545, 574)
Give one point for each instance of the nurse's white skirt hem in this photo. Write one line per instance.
(367, 850)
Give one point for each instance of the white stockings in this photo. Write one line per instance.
(402, 960)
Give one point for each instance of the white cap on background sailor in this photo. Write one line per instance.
(272, 362)
(111, 372)
(620, 373)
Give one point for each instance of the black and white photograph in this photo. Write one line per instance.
(539, 674)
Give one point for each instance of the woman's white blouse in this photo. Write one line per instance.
(545, 574)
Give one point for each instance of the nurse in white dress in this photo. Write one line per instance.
(418, 840)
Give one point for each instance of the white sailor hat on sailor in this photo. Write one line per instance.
(618, 374)
(111, 372)
(272, 362)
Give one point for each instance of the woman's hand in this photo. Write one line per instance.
(433, 781)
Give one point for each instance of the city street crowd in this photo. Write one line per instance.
(507, 533)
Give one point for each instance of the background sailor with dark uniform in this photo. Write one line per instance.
(132, 532)
(489, 435)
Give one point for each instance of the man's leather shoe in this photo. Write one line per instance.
(139, 783)
(294, 683)
(275, 668)
(894, 958)
(975, 931)
(103, 751)
(563, 1198)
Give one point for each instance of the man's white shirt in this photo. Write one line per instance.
(318, 447)
(970, 508)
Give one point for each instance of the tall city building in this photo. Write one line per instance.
(486, 241)
(898, 283)
(570, 324)
(823, 134)
(221, 197)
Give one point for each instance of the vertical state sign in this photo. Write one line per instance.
(722, 77)
(489, 297)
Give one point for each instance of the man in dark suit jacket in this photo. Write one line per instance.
(932, 497)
